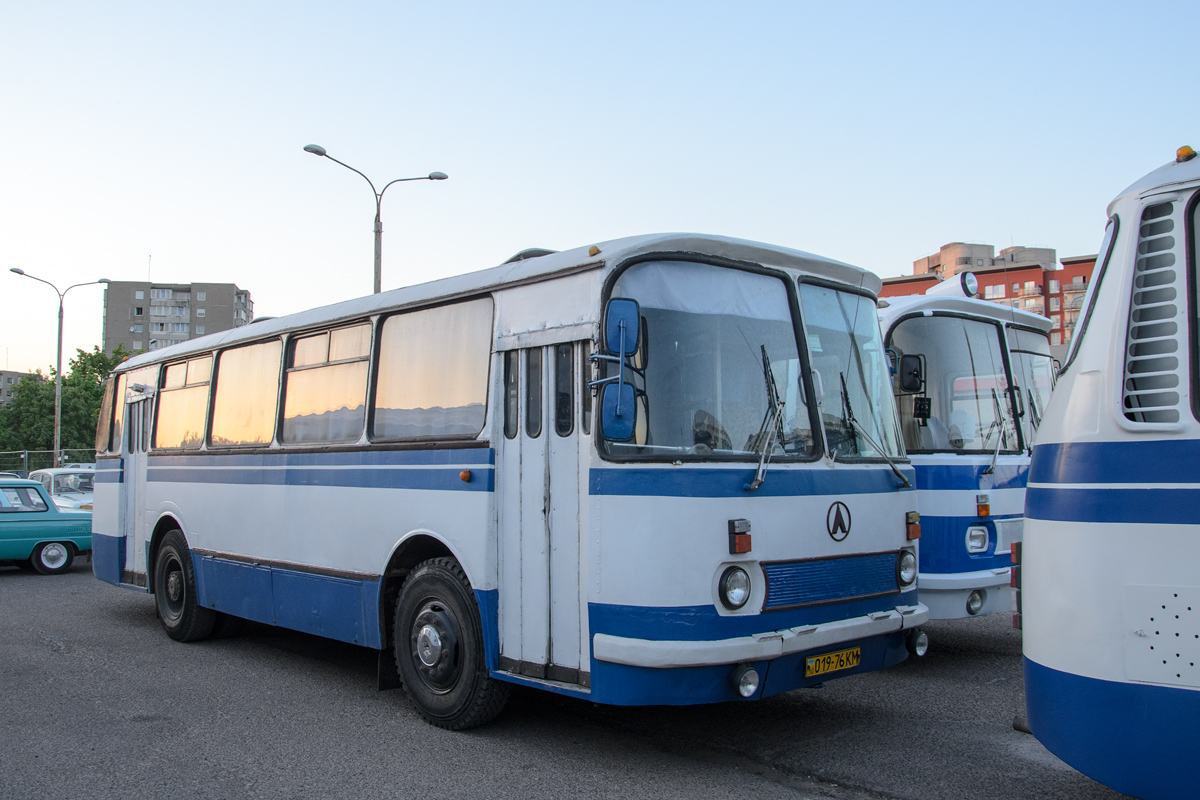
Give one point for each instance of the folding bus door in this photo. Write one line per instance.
(135, 443)
(537, 484)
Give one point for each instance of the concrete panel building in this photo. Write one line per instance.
(8, 382)
(146, 316)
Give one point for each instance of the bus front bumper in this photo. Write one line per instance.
(757, 647)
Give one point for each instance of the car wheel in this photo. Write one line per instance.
(438, 640)
(52, 558)
(181, 616)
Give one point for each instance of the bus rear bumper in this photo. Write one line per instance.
(667, 654)
(947, 594)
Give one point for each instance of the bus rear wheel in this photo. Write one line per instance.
(181, 616)
(438, 640)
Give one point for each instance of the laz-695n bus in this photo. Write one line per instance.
(657, 470)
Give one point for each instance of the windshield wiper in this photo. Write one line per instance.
(997, 424)
(772, 423)
(848, 416)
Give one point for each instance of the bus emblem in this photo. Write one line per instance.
(837, 521)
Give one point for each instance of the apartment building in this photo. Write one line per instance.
(147, 316)
(8, 382)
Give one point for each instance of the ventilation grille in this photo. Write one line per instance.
(1163, 642)
(802, 583)
(1152, 365)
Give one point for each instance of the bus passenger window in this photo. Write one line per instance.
(247, 395)
(183, 404)
(325, 394)
(533, 392)
(433, 372)
(511, 395)
(564, 386)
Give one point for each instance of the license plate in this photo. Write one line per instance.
(831, 662)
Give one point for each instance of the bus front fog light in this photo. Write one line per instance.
(917, 643)
(735, 588)
(975, 602)
(745, 679)
(977, 540)
(906, 567)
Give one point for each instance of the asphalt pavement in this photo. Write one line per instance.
(99, 703)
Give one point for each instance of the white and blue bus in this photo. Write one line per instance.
(1110, 569)
(425, 472)
(972, 382)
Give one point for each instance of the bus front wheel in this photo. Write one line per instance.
(181, 616)
(438, 639)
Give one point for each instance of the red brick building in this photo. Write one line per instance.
(1021, 277)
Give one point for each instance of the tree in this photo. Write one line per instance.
(27, 423)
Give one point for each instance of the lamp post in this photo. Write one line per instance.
(317, 150)
(58, 364)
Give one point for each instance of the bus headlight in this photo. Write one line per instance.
(735, 588)
(977, 540)
(906, 568)
(745, 679)
(975, 602)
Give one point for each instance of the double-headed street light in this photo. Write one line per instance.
(58, 365)
(317, 150)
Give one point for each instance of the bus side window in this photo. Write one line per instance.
(533, 392)
(510, 394)
(564, 389)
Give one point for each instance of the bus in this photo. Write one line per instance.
(972, 382)
(657, 470)
(1109, 582)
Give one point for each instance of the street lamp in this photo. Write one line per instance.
(58, 365)
(317, 150)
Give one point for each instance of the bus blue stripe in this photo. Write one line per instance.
(1135, 506)
(1162, 461)
(970, 476)
(703, 623)
(780, 482)
(446, 480)
(1138, 739)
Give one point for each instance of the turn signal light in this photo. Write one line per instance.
(912, 521)
(983, 505)
(739, 536)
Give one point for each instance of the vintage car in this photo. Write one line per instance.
(69, 487)
(34, 531)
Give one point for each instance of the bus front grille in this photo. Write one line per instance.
(829, 580)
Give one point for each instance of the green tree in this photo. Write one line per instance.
(27, 423)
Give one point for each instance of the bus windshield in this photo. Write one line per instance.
(964, 405)
(1033, 371)
(847, 356)
(713, 340)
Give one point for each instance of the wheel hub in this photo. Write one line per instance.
(434, 641)
(174, 587)
(53, 555)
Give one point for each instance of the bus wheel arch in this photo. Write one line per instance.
(165, 524)
(438, 639)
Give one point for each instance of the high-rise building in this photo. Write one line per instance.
(146, 316)
(8, 382)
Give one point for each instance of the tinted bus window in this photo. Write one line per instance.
(247, 395)
(104, 422)
(183, 404)
(433, 372)
(564, 388)
(146, 376)
(326, 392)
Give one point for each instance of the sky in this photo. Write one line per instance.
(165, 140)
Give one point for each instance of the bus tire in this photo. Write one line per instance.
(438, 639)
(52, 558)
(181, 616)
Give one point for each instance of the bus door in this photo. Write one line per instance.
(538, 489)
(134, 446)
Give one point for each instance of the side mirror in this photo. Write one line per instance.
(618, 414)
(622, 323)
(912, 374)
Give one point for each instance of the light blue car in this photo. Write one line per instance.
(34, 531)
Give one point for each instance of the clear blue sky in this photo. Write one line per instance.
(868, 132)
